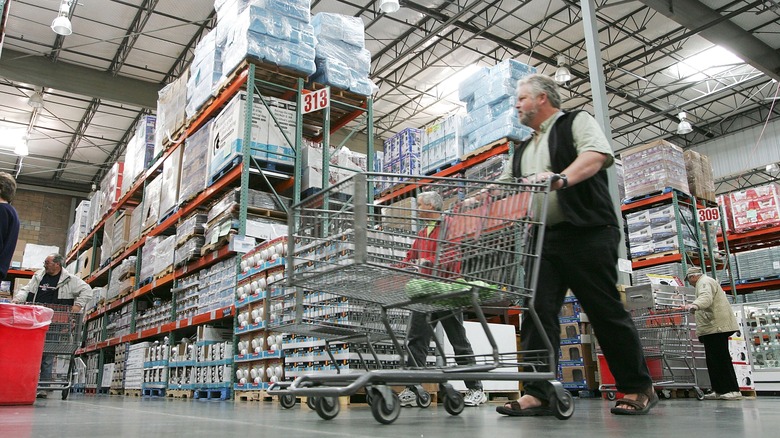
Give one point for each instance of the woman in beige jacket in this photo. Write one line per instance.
(715, 322)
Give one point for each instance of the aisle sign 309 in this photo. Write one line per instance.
(316, 100)
(709, 214)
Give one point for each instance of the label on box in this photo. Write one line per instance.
(624, 265)
(243, 244)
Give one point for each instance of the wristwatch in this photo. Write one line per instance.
(565, 180)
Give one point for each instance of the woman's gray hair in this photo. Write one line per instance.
(542, 84)
(431, 198)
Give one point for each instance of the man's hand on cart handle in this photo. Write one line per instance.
(76, 308)
(691, 308)
(557, 180)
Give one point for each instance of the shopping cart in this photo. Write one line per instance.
(675, 358)
(62, 340)
(486, 254)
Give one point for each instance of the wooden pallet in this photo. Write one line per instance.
(179, 393)
(482, 149)
(164, 272)
(499, 396)
(214, 246)
(655, 256)
(251, 396)
(132, 392)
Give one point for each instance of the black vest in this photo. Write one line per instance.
(586, 204)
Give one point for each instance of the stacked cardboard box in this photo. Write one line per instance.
(441, 143)
(653, 167)
(655, 230)
(402, 155)
(140, 151)
(757, 207)
(341, 57)
(700, 179)
(576, 365)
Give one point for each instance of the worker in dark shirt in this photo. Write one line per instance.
(9, 222)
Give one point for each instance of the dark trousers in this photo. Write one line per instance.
(419, 339)
(585, 261)
(719, 366)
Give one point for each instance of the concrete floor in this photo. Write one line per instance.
(113, 416)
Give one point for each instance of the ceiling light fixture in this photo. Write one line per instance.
(389, 6)
(21, 148)
(61, 24)
(685, 126)
(562, 74)
(36, 99)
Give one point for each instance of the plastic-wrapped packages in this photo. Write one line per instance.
(504, 126)
(471, 84)
(244, 43)
(340, 27)
(148, 257)
(266, 22)
(164, 254)
(151, 204)
(355, 58)
(205, 72)
(195, 163)
(171, 109)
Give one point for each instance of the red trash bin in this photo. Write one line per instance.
(22, 337)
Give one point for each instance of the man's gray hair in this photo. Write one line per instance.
(431, 198)
(542, 84)
(58, 259)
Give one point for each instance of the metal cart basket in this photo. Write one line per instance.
(486, 253)
(674, 356)
(62, 340)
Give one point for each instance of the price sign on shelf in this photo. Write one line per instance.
(709, 214)
(316, 100)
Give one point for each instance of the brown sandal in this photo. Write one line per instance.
(513, 409)
(642, 405)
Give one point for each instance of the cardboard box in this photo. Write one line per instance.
(208, 333)
(580, 353)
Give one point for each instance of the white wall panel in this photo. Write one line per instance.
(743, 151)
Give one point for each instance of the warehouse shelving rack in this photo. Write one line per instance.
(705, 254)
(259, 79)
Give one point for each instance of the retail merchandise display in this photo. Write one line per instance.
(171, 171)
(342, 164)
(576, 365)
(78, 230)
(195, 163)
(190, 239)
(156, 368)
(656, 230)
(134, 368)
(401, 156)
(699, 171)
(140, 151)
(490, 96)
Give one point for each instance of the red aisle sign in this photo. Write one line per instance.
(709, 214)
(316, 100)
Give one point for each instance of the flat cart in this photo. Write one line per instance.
(486, 253)
(674, 356)
(62, 340)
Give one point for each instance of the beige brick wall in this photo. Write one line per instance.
(43, 219)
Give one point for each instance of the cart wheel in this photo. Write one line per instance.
(382, 412)
(287, 401)
(564, 408)
(65, 393)
(699, 393)
(611, 396)
(311, 402)
(328, 407)
(666, 394)
(424, 399)
(454, 405)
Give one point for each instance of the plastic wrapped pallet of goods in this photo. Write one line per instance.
(194, 225)
(229, 127)
(171, 107)
(195, 163)
(700, 180)
(151, 204)
(653, 167)
(111, 187)
(170, 180)
(140, 151)
(205, 72)
(121, 233)
(163, 260)
(148, 258)
(755, 208)
(271, 30)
